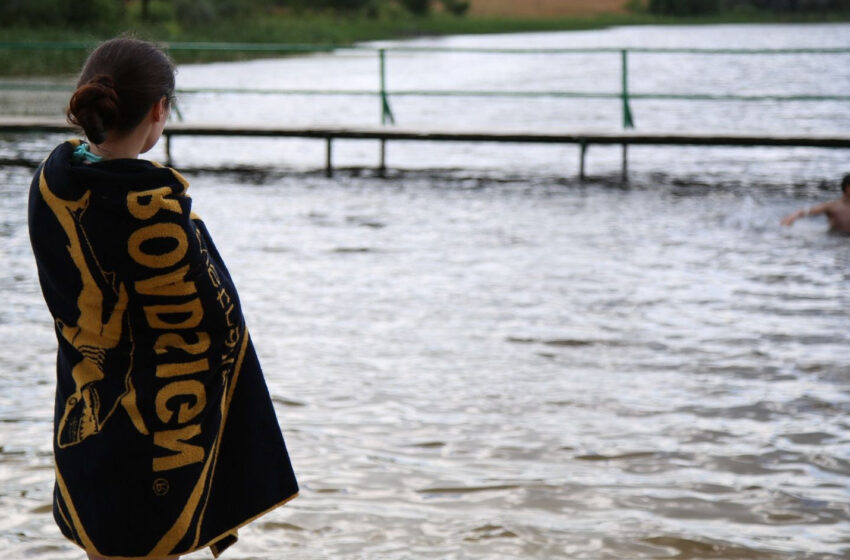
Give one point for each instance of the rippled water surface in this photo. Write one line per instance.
(499, 362)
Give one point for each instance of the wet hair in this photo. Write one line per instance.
(845, 183)
(120, 82)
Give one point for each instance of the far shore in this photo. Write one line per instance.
(546, 8)
(323, 30)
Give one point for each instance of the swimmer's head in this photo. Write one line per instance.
(845, 183)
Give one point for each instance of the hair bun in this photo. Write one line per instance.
(119, 84)
(94, 107)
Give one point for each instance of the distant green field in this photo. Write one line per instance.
(316, 30)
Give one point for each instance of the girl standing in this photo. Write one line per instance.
(165, 437)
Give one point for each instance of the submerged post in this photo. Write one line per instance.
(386, 112)
(167, 149)
(583, 146)
(625, 163)
(329, 170)
(628, 122)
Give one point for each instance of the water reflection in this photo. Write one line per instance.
(510, 365)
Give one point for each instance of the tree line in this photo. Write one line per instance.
(37, 13)
(700, 7)
(193, 13)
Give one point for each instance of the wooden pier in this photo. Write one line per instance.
(28, 125)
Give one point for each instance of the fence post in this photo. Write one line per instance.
(386, 112)
(628, 122)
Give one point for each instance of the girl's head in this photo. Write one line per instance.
(121, 81)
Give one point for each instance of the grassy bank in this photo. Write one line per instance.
(321, 30)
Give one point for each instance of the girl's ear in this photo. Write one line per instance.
(159, 111)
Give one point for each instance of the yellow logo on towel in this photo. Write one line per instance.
(161, 486)
(102, 305)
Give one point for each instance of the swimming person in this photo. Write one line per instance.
(837, 211)
(165, 437)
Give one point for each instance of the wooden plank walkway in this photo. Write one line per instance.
(386, 134)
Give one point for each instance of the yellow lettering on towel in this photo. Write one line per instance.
(158, 231)
(181, 397)
(171, 284)
(185, 412)
(182, 368)
(184, 453)
(175, 316)
(145, 204)
(174, 340)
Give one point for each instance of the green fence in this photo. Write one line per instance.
(384, 95)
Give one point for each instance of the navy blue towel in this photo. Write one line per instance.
(165, 438)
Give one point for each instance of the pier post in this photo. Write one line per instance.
(625, 163)
(382, 168)
(167, 149)
(329, 170)
(583, 145)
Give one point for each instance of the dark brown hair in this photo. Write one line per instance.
(845, 183)
(120, 82)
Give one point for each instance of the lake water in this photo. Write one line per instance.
(481, 357)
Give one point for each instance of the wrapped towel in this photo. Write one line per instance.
(165, 438)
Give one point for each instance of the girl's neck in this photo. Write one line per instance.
(129, 145)
(119, 148)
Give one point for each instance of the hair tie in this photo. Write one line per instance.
(82, 153)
